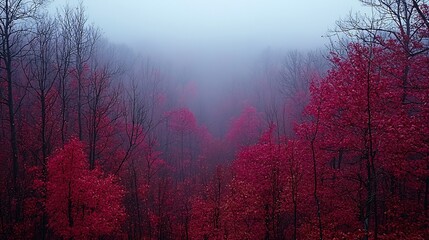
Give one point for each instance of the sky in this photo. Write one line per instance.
(202, 24)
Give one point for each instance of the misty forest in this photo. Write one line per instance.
(99, 140)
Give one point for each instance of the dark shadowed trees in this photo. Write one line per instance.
(16, 21)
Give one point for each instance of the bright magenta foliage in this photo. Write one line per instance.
(259, 191)
(253, 198)
(81, 203)
(366, 124)
(210, 217)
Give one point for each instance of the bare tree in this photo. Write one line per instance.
(41, 73)
(101, 97)
(140, 108)
(290, 86)
(401, 20)
(141, 117)
(77, 51)
(63, 46)
(16, 17)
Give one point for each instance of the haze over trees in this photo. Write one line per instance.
(97, 142)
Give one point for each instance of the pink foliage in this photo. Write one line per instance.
(81, 203)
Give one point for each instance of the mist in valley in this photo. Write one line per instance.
(227, 119)
(218, 50)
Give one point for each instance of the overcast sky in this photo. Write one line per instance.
(202, 23)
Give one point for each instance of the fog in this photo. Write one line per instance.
(187, 30)
(214, 119)
(178, 25)
(217, 45)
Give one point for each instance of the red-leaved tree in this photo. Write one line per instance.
(81, 203)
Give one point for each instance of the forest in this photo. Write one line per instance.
(97, 142)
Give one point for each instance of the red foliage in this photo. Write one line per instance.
(81, 203)
(210, 218)
(365, 132)
(260, 194)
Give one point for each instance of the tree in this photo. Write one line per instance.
(101, 98)
(209, 209)
(141, 109)
(41, 74)
(246, 128)
(82, 203)
(40, 120)
(15, 16)
(63, 58)
(401, 21)
(257, 200)
(358, 112)
(185, 146)
(76, 52)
